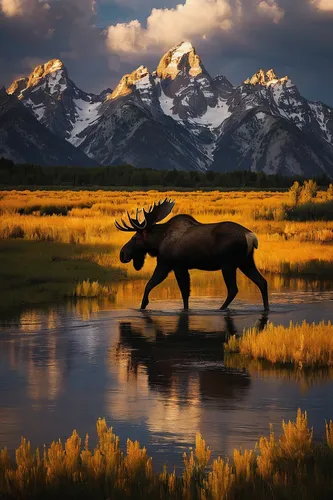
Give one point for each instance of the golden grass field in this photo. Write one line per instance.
(290, 466)
(303, 345)
(50, 238)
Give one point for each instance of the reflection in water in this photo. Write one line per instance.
(305, 377)
(182, 359)
(44, 364)
(157, 376)
(177, 358)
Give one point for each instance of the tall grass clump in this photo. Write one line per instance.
(311, 211)
(92, 289)
(329, 434)
(303, 193)
(304, 345)
(289, 466)
(329, 192)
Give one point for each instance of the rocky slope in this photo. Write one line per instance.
(24, 139)
(180, 117)
(56, 101)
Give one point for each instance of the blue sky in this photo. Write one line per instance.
(100, 40)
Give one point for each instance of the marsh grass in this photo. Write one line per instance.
(82, 224)
(289, 466)
(302, 345)
(92, 289)
(40, 272)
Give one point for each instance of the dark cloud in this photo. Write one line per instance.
(64, 29)
(301, 46)
(298, 43)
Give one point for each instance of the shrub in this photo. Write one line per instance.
(295, 194)
(16, 232)
(311, 211)
(54, 210)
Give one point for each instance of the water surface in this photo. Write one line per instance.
(158, 376)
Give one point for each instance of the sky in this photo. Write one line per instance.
(101, 40)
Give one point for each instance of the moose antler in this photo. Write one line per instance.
(156, 213)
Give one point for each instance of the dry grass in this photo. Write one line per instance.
(304, 345)
(290, 466)
(87, 218)
(91, 289)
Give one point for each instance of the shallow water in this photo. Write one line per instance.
(158, 376)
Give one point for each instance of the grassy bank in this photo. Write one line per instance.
(34, 272)
(290, 466)
(51, 241)
(303, 345)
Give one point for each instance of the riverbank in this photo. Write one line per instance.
(37, 272)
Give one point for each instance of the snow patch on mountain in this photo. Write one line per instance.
(54, 79)
(323, 117)
(39, 111)
(167, 105)
(86, 115)
(177, 53)
(214, 116)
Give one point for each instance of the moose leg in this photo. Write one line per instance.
(250, 270)
(229, 275)
(183, 280)
(159, 275)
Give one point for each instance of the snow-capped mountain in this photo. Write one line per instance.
(272, 128)
(56, 101)
(178, 116)
(24, 139)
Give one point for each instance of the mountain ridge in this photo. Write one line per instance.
(24, 139)
(178, 116)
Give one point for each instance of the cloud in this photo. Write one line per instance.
(12, 7)
(192, 20)
(233, 37)
(325, 5)
(29, 8)
(165, 27)
(37, 31)
(271, 10)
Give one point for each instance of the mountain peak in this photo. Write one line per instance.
(17, 86)
(182, 57)
(265, 78)
(182, 48)
(43, 70)
(128, 82)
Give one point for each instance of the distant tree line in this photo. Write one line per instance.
(129, 176)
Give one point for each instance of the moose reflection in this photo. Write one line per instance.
(173, 355)
(183, 243)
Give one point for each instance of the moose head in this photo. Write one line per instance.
(143, 241)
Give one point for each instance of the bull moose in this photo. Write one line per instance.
(183, 243)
